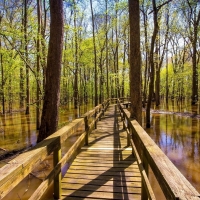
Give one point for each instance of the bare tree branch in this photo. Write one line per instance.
(160, 6)
(22, 57)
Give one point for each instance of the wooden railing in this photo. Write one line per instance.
(16, 170)
(173, 184)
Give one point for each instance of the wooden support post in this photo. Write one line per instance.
(103, 109)
(95, 115)
(100, 109)
(123, 120)
(57, 178)
(87, 130)
(128, 137)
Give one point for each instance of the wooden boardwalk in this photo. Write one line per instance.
(106, 168)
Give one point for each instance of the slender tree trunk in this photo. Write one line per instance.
(107, 75)
(196, 22)
(10, 95)
(49, 119)
(43, 31)
(26, 58)
(123, 69)
(2, 83)
(2, 75)
(146, 76)
(167, 77)
(76, 100)
(135, 61)
(22, 76)
(38, 65)
(117, 51)
(95, 57)
(194, 67)
(157, 74)
(151, 63)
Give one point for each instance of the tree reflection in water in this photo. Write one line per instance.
(175, 128)
(178, 135)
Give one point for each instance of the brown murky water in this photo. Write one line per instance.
(18, 131)
(178, 135)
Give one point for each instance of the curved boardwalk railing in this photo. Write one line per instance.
(173, 184)
(17, 169)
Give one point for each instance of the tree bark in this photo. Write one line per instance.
(151, 63)
(194, 61)
(107, 70)
(38, 65)
(135, 61)
(26, 58)
(95, 56)
(49, 120)
(76, 92)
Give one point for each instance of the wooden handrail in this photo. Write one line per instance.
(173, 184)
(17, 169)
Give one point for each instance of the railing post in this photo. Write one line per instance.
(100, 109)
(103, 109)
(123, 118)
(57, 178)
(87, 130)
(130, 132)
(95, 115)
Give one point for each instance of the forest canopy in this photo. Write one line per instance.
(24, 37)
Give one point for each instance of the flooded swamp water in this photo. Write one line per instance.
(18, 132)
(174, 128)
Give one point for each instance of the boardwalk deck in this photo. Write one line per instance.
(106, 168)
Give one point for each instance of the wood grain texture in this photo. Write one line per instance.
(106, 168)
(173, 184)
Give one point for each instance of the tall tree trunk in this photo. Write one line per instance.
(123, 69)
(117, 51)
(194, 59)
(26, 58)
(38, 64)
(10, 94)
(95, 56)
(107, 75)
(167, 77)
(2, 85)
(146, 75)
(49, 119)
(22, 78)
(157, 74)
(151, 63)
(76, 100)
(2, 75)
(43, 31)
(135, 61)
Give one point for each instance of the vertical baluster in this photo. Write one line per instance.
(86, 130)
(57, 178)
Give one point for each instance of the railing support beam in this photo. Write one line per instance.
(57, 179)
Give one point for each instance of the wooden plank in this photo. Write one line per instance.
(129, 173)
(102, 182)
(97, 188)
(100, 195)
